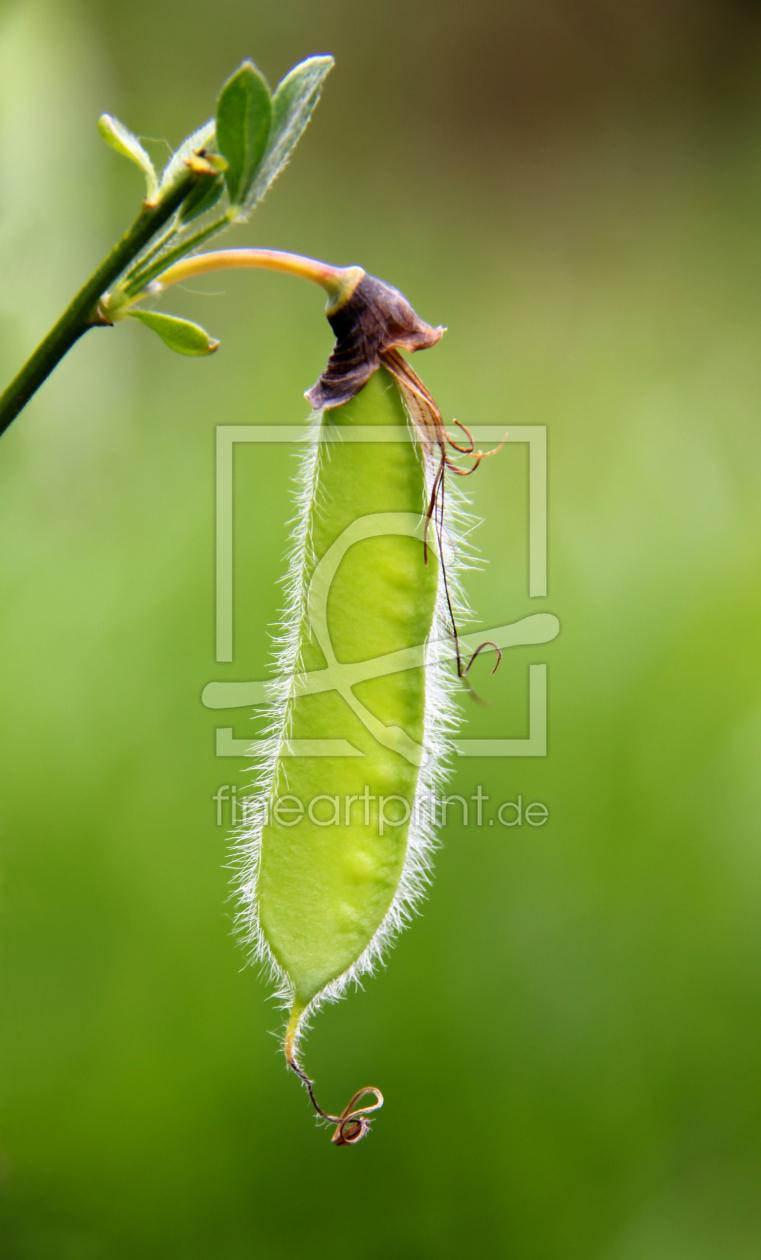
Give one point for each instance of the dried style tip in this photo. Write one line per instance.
(352, 1124)
(374, 319)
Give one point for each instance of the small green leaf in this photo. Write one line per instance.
(121, 139)
(179, 334)
(292, 107)
(244, 114)
(206, 194)
(177, 164)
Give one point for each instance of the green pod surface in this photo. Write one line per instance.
(338, 845)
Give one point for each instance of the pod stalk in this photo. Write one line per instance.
(338, 282)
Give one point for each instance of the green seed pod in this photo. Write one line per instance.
(339, 847)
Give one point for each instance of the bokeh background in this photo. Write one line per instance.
(568, 1038)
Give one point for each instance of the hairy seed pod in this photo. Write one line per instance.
(338, 848)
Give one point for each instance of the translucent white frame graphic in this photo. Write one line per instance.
(539, 628)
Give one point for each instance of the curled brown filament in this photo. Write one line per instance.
(353, 1123)
(465, 450)
(425, 414)
(486, 643)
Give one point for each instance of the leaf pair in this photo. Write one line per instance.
(256, 132)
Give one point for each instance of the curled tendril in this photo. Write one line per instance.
(425, 414)
(353, 1123)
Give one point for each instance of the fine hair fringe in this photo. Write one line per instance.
(440, 722)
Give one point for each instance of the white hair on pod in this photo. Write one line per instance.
(440, 721)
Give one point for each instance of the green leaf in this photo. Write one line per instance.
(292, 107)
(177, 164)
(121, 139)
(244, 114)
(179, 334)
(206, 194)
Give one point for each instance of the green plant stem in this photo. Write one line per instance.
(150, 254)
(151, 267)
(82, 313)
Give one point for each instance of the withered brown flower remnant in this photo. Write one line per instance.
(369, 319)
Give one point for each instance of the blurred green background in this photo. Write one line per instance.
(568, 1038)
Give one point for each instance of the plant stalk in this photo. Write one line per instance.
(83, 313)
(339, 282)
